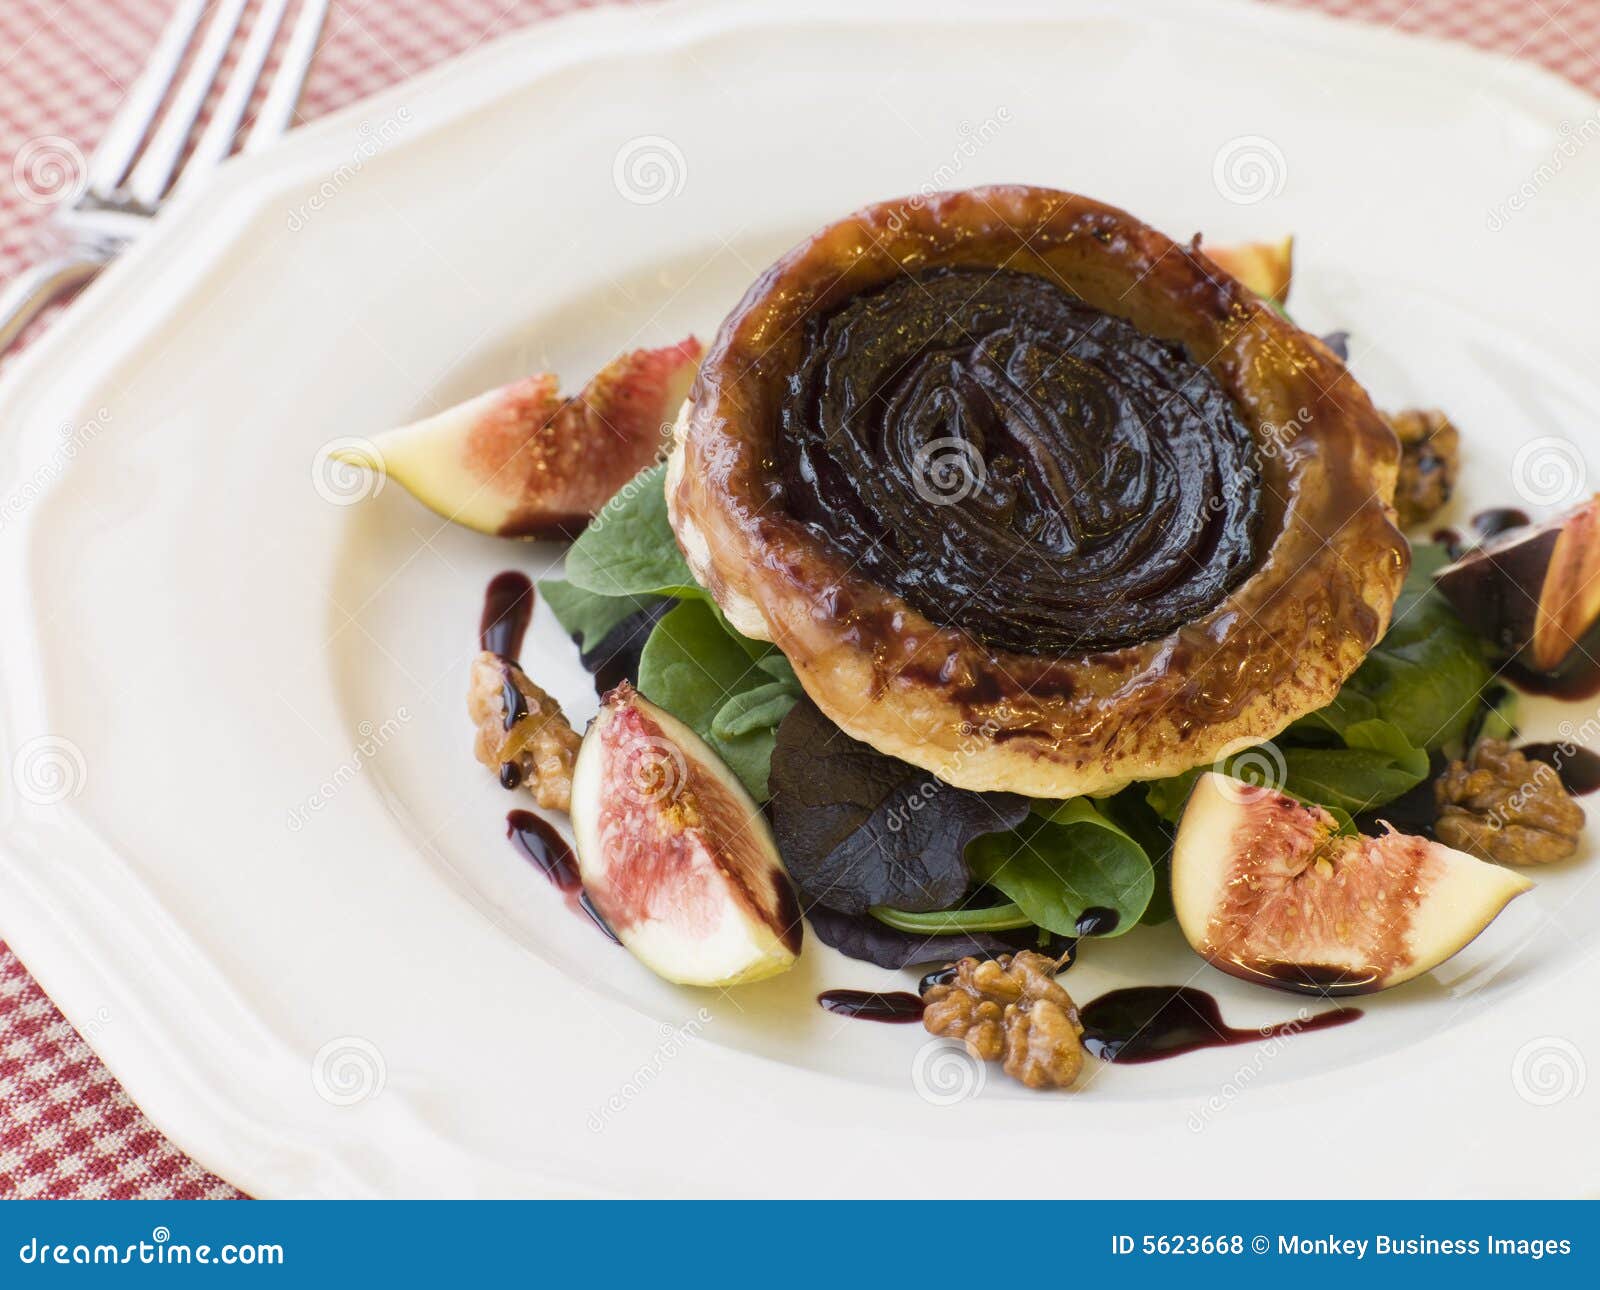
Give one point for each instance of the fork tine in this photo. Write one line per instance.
(283, 95)
(216, 140)
(131, 123)
(153, 172)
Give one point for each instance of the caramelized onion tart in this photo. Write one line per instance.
(1032, 496)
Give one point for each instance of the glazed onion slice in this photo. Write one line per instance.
(1018, 464)
(1161, 524)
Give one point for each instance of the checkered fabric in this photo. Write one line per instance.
(66, 1128)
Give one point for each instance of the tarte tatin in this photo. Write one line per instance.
(1034, 497)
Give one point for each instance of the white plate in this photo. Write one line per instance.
(274, 890)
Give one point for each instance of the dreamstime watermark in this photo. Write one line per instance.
(1549, 471)
(1237, 1084)
(49, 769)
(649, 168)
(674, 1039)
(970, 141)
(73, 440)
(348, 1070)
(1571, 140)
(371, 743)
(373, 140)
(973, 739)
(944, 1073)
(348, 470)
(49, 170)
(1548, 1070)
(1249, 168)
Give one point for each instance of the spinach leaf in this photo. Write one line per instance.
(1067, 858)
(1424, 677)
(755, 709)
(589, 618)
(950, 922)
(610, 631)
(1376, 766)
(857, 828)
(629, 548)
(1131, 812)
(1168, 797)
(698, 671)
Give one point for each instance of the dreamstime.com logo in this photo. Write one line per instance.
(160, 1250)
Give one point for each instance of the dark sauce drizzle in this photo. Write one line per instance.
(1499, 519)
(1578, 768)
(538, 840)
(897, 1006)
(507, 610)
(1150, 1022)
(1097, 920)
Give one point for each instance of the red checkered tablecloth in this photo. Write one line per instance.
(66, 1127)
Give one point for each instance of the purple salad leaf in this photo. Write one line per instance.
(857, 828)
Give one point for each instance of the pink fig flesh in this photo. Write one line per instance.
(1266, 889)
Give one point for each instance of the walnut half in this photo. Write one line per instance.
(522, 733)
(1500, 806)
(1010, 1009)
(1430, 452)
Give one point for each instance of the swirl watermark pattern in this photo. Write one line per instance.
(48, 170)
(649, 169)
(348, 1070)
(1250, 769)
(347, 471)
(1549, 471)
(947, 471)
(1548, 1070)
(49, 769)
(656, 774)
(944, 1073)
(1249, 168)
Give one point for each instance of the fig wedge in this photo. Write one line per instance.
(521, 461)
(675, 854)
(1268, 891)
(1267, 268)
(1534, 592)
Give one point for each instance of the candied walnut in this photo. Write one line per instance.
(522, 733)
(1501, 806)
(1430, 456)
(1011, 1010)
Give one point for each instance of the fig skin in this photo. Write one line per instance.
(1266, 891)
(1267, 268)
(521, 461)
(1534, 593)
(1330, 560)
(675, 854)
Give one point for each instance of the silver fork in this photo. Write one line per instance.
(136, 166)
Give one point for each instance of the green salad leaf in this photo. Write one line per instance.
(590, 617)
(704, 674)
(1167, 797)
(1065, 858)
(1424, 677)
(951, 922)
(629, 548)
